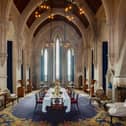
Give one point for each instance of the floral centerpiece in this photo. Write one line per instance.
(57, 88)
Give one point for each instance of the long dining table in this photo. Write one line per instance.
(50, 94)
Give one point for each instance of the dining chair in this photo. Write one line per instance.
(74, 101)
(41, 94)
(56, 112)
(38, 100)
(10, 97)
(57, 103)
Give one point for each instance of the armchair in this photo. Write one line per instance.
(10, 97)
(101, 98)
(117, 110)
(21, 89)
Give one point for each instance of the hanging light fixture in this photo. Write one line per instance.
(81, 11)
(68, 9)
(41, 8)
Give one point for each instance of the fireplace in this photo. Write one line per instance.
(121, 93)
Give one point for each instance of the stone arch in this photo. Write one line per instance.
(9, 5)
(5, 6)
(55, 12)
(38, 36)
(105, 4)
(11, 32)
(43, 33)
(38, 21)
(33, 4)
(57, 32)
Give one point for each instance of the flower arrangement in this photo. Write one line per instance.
(57, 88)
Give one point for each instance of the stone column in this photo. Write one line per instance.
(14, 66)
(24, 61)
(3, 47)
(89, 66)
(3, 53)
(78, 65)
(36, 68)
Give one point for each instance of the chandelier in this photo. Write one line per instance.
(68, 9)
(43, 7)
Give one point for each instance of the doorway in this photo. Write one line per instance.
(104, 63)
(10, 66)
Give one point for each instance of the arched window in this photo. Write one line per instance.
(45, 64)
(70, 65)
(57, 54)
(69, 69)
(57, 62)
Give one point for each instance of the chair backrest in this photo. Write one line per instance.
(100, 93)
(36, 97)
(41, 93)
(93, 82)
(57, 103)
(38, 100)
(76, 96)
(73, 94)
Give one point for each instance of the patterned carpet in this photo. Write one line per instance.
(26, 109)
(100, 119)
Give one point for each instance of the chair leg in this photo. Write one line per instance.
(73, 107)
(77, 107)
(35, 106)
(17, 100)
(12, 102)
(110, 120)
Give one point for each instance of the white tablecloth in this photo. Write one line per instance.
(49, 95)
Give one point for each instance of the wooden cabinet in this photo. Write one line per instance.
(21, 91)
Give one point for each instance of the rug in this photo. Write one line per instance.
(7, 118)
(26, 109)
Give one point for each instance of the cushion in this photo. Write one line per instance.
(118, 111)
(8, 92)
(13, 96)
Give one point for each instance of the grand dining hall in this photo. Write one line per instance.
(62, 63)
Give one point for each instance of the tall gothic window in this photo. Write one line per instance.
(57, 52)
(56, 62)
(46, 64)
(69, 70)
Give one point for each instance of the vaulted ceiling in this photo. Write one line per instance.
(58, 18)
(92, 4)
